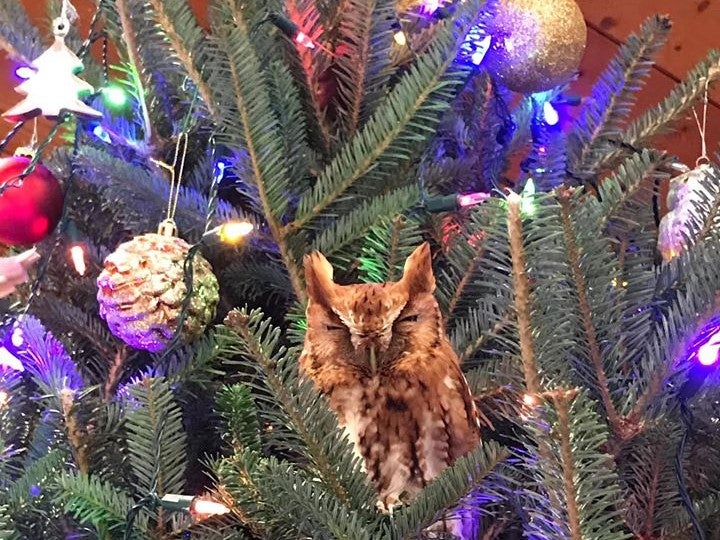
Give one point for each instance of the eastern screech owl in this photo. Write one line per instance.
(381, 356)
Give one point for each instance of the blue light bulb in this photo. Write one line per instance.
(550, 114)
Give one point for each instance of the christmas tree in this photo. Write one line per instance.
(361, 129)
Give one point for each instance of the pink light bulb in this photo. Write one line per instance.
(304, 40)
(471, 199)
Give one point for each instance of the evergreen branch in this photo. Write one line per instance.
(114, 373)
(616, 191)
(236, 407)
(287, 104)
(96, 502)
(386, 247)
(18, 36)
(467, 275)
(406, 118)
(473, 474)
(5, 523)
(156, 439)
(478, 266)
(313, 64)
(574, 492)
(136, 64)
(523, 301)
(258, 133)
(689, 300)
(586, 314)
(184, 46)
(239, 490)
(614, 94)
(64, 317)
(650, 482)
(308, 508)
(657, 119)
(303, 409)
(42, 472)
(475, 324)
(75, 432)
(561, 399)
(363, 58)
(47, 361)
(351, 227)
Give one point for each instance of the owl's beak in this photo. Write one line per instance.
(372, 357)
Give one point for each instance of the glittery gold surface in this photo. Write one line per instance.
(537, 44)
(141, 291)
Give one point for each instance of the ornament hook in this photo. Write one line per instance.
(167, 227)
(61, 27)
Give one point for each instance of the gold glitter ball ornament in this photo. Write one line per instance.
(536, 44)
(142, 288)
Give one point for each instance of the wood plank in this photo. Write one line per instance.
(696, 28)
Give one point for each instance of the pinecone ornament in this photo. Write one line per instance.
(141, 292)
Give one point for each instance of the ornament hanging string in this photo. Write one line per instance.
(214, 187)
(176, 171)
(702, 125)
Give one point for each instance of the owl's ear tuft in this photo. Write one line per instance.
(319, 277)
(418, 274)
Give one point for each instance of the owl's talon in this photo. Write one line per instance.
(388, 508)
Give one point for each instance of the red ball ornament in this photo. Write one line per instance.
(30, 210)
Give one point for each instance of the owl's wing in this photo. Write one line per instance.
(474, 415)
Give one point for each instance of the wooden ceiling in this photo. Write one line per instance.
(696, 28)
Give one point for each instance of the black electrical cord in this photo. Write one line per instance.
(686, 418)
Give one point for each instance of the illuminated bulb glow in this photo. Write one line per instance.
(24, 72)
(4, 398)
(17, 337)
(400, 38)
(709, 352)
(9, 360)
(77, 254)
(101, 134)
(430, 6)
(527, 199)
(114, 96)
(480, 51)
(220, 171)
(234, 231)
(550, 114)
(471, 199)
(304, 40)
(208, 508)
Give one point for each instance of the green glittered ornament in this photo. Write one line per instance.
(141, 292)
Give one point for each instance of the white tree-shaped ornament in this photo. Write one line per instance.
(54, 87)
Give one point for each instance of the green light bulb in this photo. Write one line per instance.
(527, 204)
(115, 96)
